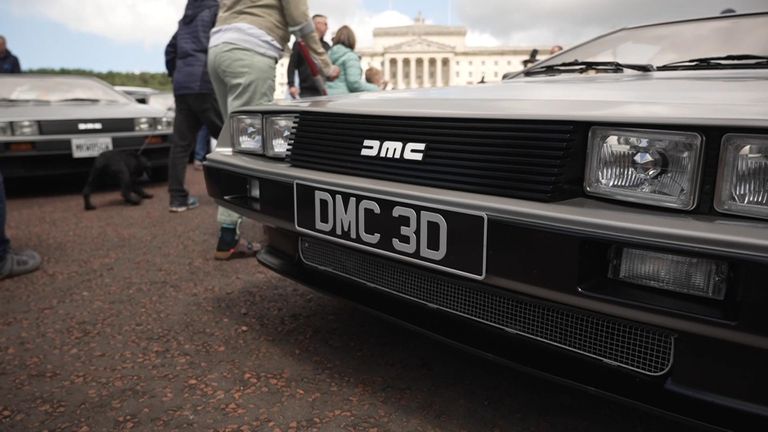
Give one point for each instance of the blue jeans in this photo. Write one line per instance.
(4, 243)
(203, 143)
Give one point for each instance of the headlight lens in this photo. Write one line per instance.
(645, 166)
(247, 132)
(144, 124)
(25, 128)
(278, 129)
(164, 123)
(743, 175)
(5, 129)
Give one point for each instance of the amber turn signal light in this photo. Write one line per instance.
(154, 140)
(21, 147)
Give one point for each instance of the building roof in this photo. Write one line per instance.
(420, 29)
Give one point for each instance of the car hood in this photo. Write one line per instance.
(728, 98)
(76, 111)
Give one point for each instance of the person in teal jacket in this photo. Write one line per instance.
(342, 54)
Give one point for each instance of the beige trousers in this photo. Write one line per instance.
(241, 78)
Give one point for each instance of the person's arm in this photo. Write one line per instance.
(354, 76)
(16, 65)
(297, 15)
(170, 56)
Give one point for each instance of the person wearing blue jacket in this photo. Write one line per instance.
(186, 59)
(9, 63)
(343, 55)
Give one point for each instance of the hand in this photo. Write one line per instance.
(334, 73)
(294, 92)
(383, 85)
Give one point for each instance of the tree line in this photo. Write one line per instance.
(155, 80)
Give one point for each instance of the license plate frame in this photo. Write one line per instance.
(465, 244)
(90, 147)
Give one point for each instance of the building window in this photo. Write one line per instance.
(509, 63)
(495, 62)
(457, 74)
(458, 63)
(495, 74)
(470, 62)
(482, 63)
(470, 74)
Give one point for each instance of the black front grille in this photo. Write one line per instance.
(69, 127)
(521, 159)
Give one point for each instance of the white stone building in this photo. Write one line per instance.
(426, 55)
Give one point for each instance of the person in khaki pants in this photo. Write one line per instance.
(245, 45)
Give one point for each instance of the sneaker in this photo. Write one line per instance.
(242, 249)
(19, 263)
(189, 205)
(197, 165)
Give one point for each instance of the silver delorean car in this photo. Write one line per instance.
(57, 125)
(600, 218)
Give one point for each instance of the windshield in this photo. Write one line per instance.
(666, 43)
(56, 89)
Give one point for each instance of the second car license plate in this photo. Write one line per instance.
(90, 147)
(449, 239)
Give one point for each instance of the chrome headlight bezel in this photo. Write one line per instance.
(277, 131)
(731, 146)
(659, 143)
(25, 128)
(245, 126)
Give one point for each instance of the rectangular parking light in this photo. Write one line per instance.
(742, 180)
(277, 131)
(654, 167)
(25, 128)
(682, 274)
(144, 124)
(247, 133)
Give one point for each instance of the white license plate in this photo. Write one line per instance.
(90, 147)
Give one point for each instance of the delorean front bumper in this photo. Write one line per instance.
(545, 303)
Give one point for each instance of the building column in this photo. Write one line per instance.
(399, 84)
(427, 79)
(412, 84)
(385, 69)
(439, 72)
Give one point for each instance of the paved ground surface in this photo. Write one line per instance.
(131, 325)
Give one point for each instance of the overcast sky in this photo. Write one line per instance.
(130, 35)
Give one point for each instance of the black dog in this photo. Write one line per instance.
(127, 167)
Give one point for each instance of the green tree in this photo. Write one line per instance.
(155, 80)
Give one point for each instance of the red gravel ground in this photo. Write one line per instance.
(130, 324)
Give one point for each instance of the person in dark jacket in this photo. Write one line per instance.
(9, 63)
(307, 86)
(186, 59)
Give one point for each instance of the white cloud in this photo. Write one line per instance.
(481, 39)
(148, 22)
(152, 22)
(566, 22)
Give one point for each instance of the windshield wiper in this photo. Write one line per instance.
(733, 61)
(24, 100)
(79, 100)
(581, 67)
